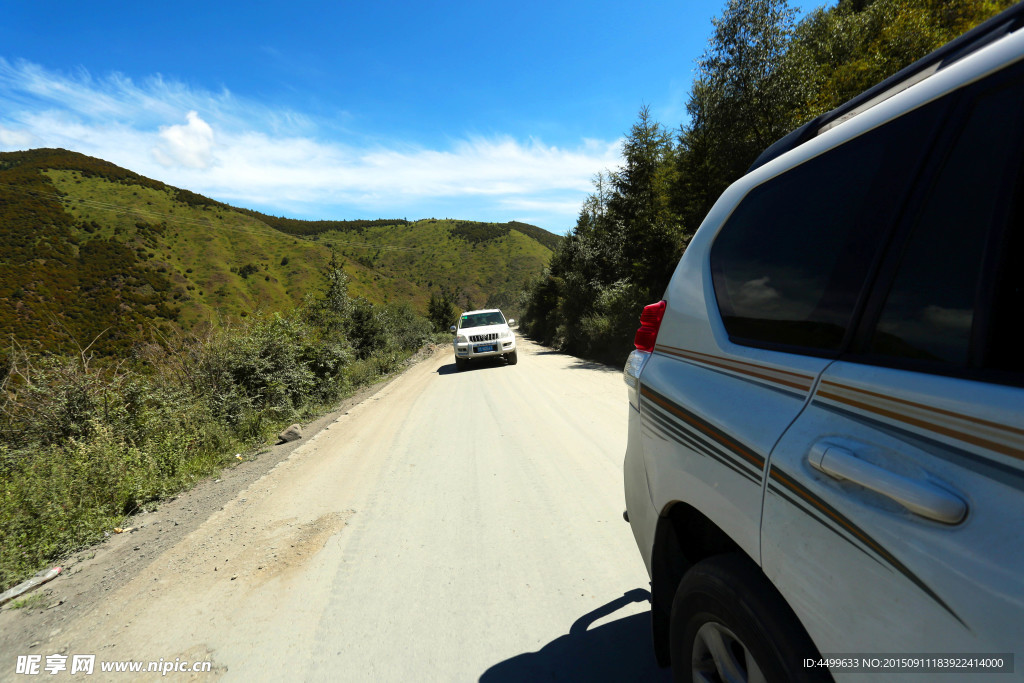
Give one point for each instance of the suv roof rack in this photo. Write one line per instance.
(981, 35)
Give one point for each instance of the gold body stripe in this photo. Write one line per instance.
(733, 446)
(788, 378)
(832, 514)
(982, 433)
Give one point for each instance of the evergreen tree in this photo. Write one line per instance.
(332, 309)
(441, 310)
(699, 179)
(646, 237)
(743, 100)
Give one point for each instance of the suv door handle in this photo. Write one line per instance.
(920, 497)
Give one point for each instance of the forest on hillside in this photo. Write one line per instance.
(762, 75)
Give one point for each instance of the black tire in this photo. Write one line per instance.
(728, 623)
(460, 364)
(512, 358)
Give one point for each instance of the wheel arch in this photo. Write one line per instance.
(683, 537)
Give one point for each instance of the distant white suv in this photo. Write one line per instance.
(824, 469)
(483, 334)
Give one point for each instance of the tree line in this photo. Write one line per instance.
(762, 75)
(296, 226)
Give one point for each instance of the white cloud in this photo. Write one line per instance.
(242, 152)
(959, 319)
(188, 145)
(16, 139)
(756, 293)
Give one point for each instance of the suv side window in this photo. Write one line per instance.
(964, 242)
(790, 264)
(1003, 349)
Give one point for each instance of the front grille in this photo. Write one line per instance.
(493, 336)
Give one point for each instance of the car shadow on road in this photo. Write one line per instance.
(581, 363)
(620, 650)
(478, 364)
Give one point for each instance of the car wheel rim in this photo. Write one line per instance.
(718, 655)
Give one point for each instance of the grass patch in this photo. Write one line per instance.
(34, 601)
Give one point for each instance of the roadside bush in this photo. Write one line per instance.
(540, 317)
(366, 328)
(393, 327)
(256, 368)
(585, 318)
(327, 359)
(50, 400)
(406, 331)
(607, 333)
(55, 499)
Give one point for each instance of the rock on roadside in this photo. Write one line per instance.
(293, 433)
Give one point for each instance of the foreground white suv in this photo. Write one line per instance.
(483, 334)
(825, 462)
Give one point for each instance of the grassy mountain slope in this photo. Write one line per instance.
(88, 248)
(431, 254)
(207, 252)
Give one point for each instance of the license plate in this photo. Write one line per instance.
(484, 349)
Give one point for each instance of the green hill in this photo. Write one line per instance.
(89, 249)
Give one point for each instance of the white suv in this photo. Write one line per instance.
(483, 334)
(825, 460)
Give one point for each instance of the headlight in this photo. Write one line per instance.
(461, 339)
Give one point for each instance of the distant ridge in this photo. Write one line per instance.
(294, 226)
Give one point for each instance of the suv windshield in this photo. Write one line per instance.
(481, 319)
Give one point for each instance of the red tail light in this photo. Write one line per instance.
(650, 323)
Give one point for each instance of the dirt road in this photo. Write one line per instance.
(452, 526)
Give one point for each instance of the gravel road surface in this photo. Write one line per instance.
(452, 526)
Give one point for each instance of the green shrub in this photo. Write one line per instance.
(247, 270)
(405, 329)
(607, 333)
(262, 363)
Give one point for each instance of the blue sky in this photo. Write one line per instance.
(475, 110)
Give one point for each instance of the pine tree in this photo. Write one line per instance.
(646, 236)
(332, 309)
(441, 310)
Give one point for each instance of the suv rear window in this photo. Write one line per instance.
(790, 264)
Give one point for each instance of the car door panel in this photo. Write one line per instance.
(836, 547)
